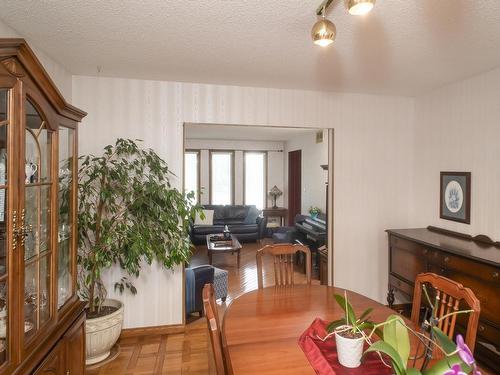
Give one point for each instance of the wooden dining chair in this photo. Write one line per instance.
(449, 296)
(283, 263)
(210, 308)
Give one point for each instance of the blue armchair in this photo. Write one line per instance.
(196, 278)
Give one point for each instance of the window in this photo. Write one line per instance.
(191, 173)
(255, 179)
(221, 177)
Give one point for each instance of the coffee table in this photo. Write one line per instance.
(234, 247)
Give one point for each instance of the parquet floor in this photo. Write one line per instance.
(188, 352)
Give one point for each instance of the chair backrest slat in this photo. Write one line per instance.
(283, 263)
(210, 307)
(448, 296)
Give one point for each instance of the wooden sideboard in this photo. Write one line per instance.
(471, 261)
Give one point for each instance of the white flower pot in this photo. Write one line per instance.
(103, 332)
(349, 350)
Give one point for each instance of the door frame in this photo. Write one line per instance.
(331, 192)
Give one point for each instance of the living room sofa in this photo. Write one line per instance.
(244, 221)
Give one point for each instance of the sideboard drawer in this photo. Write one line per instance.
(401, 243)
(406, 264)
(404, 287)
(479, 270)
(489, 333)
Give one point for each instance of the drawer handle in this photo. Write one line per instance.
(446, 259)
(425, 251)
(495, 275)
(481, 328)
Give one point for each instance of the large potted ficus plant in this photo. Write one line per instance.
(129, 215)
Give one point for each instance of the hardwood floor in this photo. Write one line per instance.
(188, 352)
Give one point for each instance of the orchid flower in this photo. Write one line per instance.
(463, 351)
(465, 355)
(455, 370)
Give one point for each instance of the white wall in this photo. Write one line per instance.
(457, 128)
(274, 163)
(372, 139)
(313, 177)
(60, 75)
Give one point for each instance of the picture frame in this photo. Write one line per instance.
(455, 196)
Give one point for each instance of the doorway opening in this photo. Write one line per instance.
(267, 185)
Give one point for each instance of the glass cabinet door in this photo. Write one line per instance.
(4, 246)
(65, 202)
(36, 216)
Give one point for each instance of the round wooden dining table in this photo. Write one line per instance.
(261, 328)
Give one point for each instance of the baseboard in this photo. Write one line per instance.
(151, 331)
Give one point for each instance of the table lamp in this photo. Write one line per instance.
(275, 192)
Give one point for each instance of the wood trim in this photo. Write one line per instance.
(19, 48)
(331, 205)
(479, 238)
(170, 329)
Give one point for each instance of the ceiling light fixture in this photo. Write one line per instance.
(323, 32)
(359, 7)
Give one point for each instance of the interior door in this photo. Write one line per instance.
(294, 184)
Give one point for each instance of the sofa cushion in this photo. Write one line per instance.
(207, 229)
(243, 228)
(252, 215)
(219, 211)
(208, 220)
(235, 213)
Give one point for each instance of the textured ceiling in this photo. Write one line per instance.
(404, 47)
(249, 133)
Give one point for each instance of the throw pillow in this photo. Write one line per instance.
(209, 218)
(252, 215)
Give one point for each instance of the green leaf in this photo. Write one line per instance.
(383, 347)
(336, 323)
(365, 313)
(445, 342)
(396, 335)
(413, 371)
(346, 306)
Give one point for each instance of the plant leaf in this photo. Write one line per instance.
(365, 313)
(448, 345)
(396, 335)
(413, 371)
(351, 317)
(383, 347)
(336, 323)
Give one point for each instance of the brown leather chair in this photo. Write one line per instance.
(283, 263)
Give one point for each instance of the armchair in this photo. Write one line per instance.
(196, 278)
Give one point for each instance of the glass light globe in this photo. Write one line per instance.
(359, 7)
(323, 32)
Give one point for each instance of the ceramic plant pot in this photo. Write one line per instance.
(103, 332)
(349, 350)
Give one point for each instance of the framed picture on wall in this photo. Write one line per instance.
(455, 196)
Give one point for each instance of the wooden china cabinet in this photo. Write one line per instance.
(42, 321)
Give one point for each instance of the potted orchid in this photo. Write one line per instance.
(458, 358)
(395, 343)
(349, 332)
